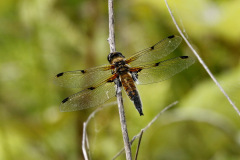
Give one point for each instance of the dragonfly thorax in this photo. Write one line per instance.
(120, 63)
(122, 69)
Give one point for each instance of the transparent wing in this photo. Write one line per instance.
(156, 52)
(88, 98)
(163, 70)
(83, 78)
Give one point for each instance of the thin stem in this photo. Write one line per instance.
(111, 41)
(145, 128)
(201, 61)
(139, 142)
(85, 124)
(84, 141)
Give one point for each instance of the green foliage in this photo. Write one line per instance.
(40, 38)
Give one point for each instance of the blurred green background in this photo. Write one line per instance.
(40, 38)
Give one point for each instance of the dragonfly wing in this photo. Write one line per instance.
(163, 70)
(87, 98)
(83, 78)
(156, 52)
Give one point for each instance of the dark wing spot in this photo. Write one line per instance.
(110, 80)
(91, 88)
(152, 48)
(184, 57)
(65, 100)
(83, 71)
(157, 64)
(139, 70)
(170, 37)
(59, 74)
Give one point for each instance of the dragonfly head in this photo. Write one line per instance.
(115, 56)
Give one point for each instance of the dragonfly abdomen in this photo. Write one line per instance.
(131, 90)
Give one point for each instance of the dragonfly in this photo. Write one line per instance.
(98, 84)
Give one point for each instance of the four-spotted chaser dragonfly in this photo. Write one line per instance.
(144, 67)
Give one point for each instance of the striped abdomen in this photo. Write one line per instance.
(131, 90)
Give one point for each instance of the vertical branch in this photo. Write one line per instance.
(127, 145)
(111, 38)
(111, 41)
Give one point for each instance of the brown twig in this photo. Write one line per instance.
(139, 142)
(111, 41)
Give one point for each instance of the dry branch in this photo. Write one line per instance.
(201, 61)
(111, 41)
